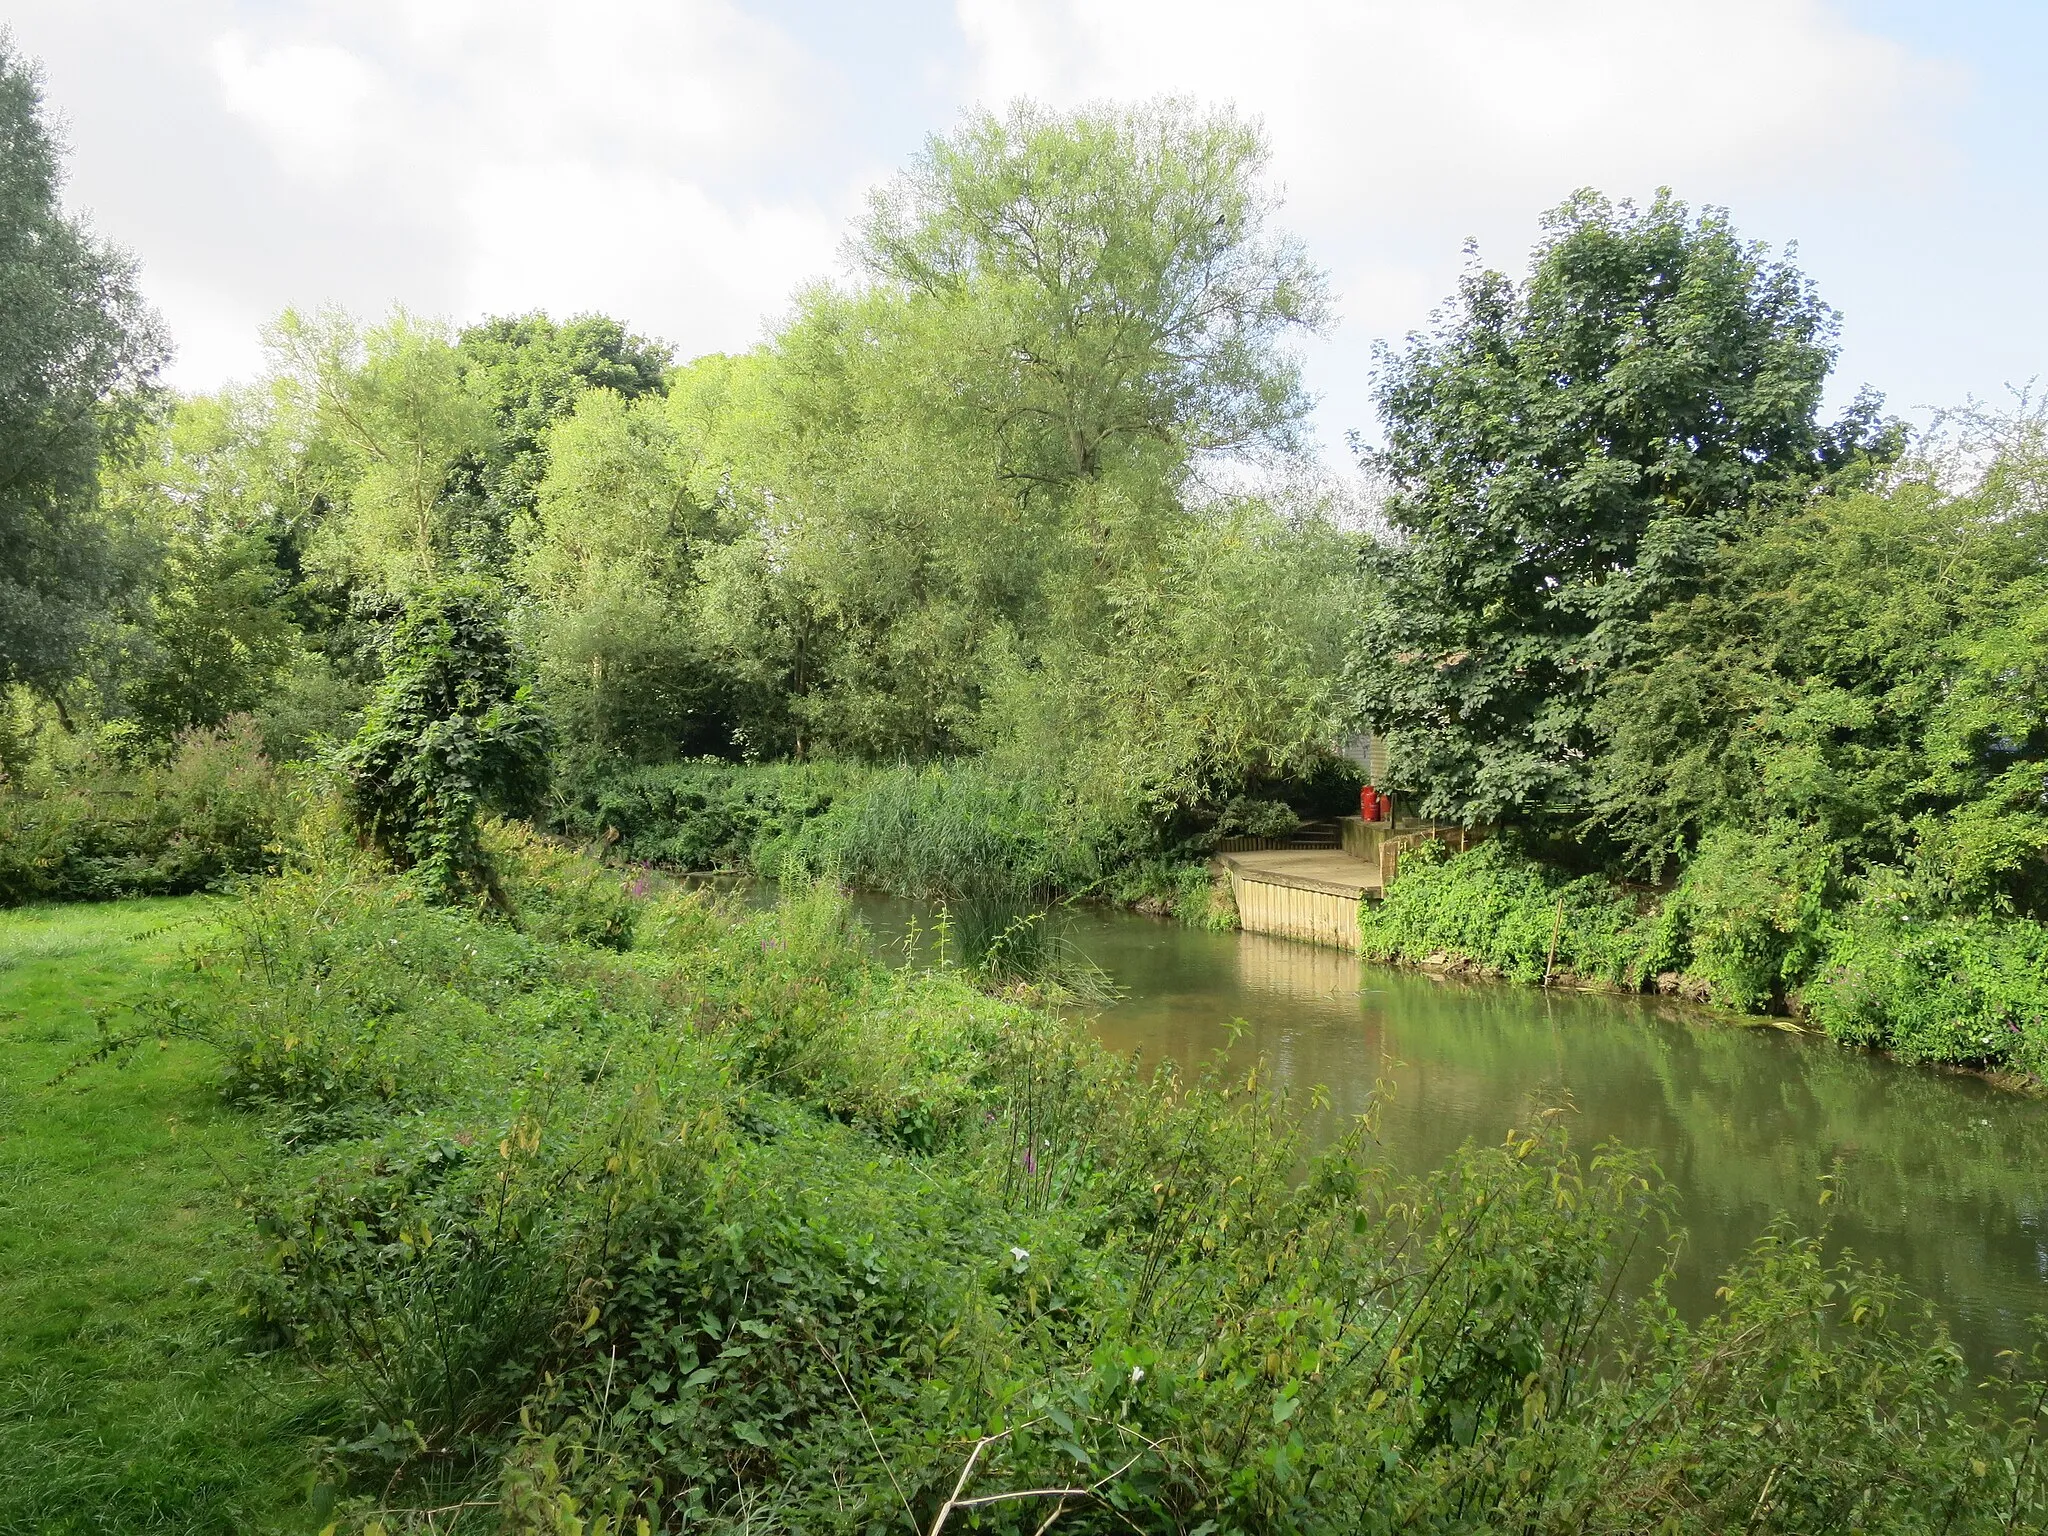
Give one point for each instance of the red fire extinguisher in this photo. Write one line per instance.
(1369, 803)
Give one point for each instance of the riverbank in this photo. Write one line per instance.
(993, 846)
(1961, 992)
(743, 1220)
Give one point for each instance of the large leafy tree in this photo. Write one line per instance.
(389, 403)
(1564, 454)
(610, 561)
(78, 349)
(529, 371)
(1062, 314)
(1136, 290)
(1866, 665)
(207, 634)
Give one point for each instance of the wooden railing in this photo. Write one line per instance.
(1381, 843)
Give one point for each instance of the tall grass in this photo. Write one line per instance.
(993, 844)
(100, 827)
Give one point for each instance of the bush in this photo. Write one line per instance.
(559, 895)
(1751, 906)
(703, 815)
(1499, 909)
(101, 827)
(1933, 986)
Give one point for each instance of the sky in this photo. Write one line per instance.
(686, 165)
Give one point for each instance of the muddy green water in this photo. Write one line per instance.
(1942, 1177)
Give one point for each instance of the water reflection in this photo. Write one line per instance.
(1941, 1176)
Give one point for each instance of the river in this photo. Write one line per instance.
(1939, 1176)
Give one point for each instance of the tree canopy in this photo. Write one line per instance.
(78, 349)
(1563, 454)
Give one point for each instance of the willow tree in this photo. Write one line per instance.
(391, 404)
(1058, 316)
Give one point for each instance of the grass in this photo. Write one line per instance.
(126, 1400)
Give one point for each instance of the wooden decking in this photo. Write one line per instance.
(1301, 893)
(1313, 892)
(1308, 869)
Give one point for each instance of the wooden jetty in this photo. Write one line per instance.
(1311, 890)
(1310, 894)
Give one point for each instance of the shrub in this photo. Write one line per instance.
(1933, 986)
(1751, 906)
(703, 815)
(556, 894)
(1502, 910)
(103, 827)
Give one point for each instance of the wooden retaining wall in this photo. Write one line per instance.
(1295, 911)
(1313, 894)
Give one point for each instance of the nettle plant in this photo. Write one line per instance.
(451, 733)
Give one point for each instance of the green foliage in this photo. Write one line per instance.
(990, 846)
(78, 354)
(1215, 676)
(704, 815)
(1499, 909)
(946, 467)
(449, 733)
(865, 1243)
(1139, 293)
(390, 407)
(1988, 760)
(957, 830)
(949, 508)
(626, 669)
(530, 372)
(558, 895)
(1824, 675)
(1753, 908)
(98, 826)
(129, 1398)
(1934, 986)
(1564, 454)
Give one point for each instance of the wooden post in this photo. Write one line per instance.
(1556, 923)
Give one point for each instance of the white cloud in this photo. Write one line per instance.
(1400, 129)
(317, 105)
(679, 163)
(636, 242)
(595, 157)
(1453, 100)
(684, 163)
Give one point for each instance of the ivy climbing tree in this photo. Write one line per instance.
(450, 734)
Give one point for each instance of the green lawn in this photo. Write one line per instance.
(126, 1400)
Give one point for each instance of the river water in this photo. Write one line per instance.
(1939, 1176)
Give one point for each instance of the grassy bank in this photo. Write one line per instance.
(1872, 966)
(128, 1398)
(733, 1227)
